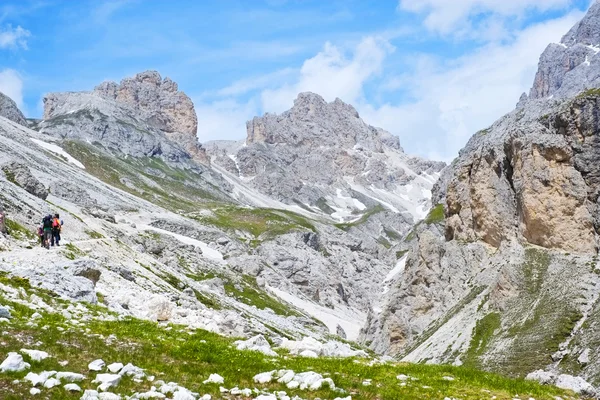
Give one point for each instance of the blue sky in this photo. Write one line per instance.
(431, 71)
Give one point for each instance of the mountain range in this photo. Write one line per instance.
(318, 225)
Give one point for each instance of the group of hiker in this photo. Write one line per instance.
(49, 231)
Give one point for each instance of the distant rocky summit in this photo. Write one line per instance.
(325, 158)
(571, 66)
(134, 116)
(9, 109)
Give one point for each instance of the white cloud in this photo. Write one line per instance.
(332, 74)
(13, 38)
(11, 85)
(457, 16)
(223, 119)
(246, 85)
(454, 101)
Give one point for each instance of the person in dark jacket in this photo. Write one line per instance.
(2, 221)
(47, 225)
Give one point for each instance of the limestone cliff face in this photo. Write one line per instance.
(507, 281)
(535, 184)
(148, 101)
(570, 66)
(325, 158)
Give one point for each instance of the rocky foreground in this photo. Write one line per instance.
(56, 349)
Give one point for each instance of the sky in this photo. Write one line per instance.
(432, 72)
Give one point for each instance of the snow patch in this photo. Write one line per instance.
(350, 321)
(58, 150)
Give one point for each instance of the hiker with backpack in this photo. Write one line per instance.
(56, 228)
(40, 233)
(2, 221)
(47, 227)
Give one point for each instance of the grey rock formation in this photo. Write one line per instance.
(325, 158)
(2, 221)
(137, 113)
(20, 175)
(515, 258)
(9, 109)
(5, 312)
(571, 66)
(162, 104)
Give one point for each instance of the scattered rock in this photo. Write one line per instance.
(584, 357)
(96, 365)
(115, 367)
(5, 312)
(107, 381)
(14, 363)
(160, 309)
(256, 343)
(34, 391)
(35, 355)
(51, 382)
(132, 371)
(108, 396)
(308, 354)
(70, 376)
(576, 384)
(86, 268)
(72, 387)
(20, 175)
(215, 378)
(90, 395)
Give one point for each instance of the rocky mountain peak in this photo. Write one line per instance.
(172, 110)
(9, 109)
(587, 31)
(571, 66)
(146, 101)
(313, 122)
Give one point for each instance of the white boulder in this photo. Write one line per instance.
(108, 396)
(256, 343)
(96, 365)
(14, 363)
(264, 377)
(115, 367)
(107, 381)
(51, 382)
(35, 355)
(215, 378)
(576, 384)
(133, 371)
(70, 376)
(72, 387)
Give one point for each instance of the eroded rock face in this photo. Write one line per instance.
(570, 66)
(324, 156)
(9, 109)
(164, 105)
(20, 175)
(136, 112)
(515, 258)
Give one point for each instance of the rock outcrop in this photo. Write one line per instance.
(568, 67)
(162, 104)
(9, 109)
(143, 116)
(324, 157)
(20, 175)
(507, 281)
